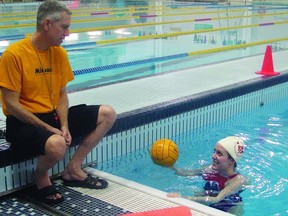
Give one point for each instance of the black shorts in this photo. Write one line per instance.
(29, 140)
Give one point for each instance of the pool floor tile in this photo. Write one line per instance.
(16, 206)
(75, 203)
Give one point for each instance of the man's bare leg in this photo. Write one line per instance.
(106, 119)
(55, 149)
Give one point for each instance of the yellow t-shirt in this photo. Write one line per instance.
(37, 75)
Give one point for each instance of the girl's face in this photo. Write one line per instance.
(220, 160)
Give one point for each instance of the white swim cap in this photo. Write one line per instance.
(234, 146)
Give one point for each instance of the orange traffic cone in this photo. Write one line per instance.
(267, 67)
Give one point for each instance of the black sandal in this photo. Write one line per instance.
(44, 193)
(2, 134)
(90, 182)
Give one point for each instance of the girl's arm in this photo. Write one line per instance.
(233, 186)
(186, 172)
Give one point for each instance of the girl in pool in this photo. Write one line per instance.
(223, 183)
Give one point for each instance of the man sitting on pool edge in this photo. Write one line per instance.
(223, 183)
(34, 72)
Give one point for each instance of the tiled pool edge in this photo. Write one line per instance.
(166, 109)
(140, 128)
(196, 208)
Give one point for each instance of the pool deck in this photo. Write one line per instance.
(145, 92)
(123, 196)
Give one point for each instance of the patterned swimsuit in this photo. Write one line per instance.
(214, 184)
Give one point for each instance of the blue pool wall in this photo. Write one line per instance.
(140, 128)
(206, 100)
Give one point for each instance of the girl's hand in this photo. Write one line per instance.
(174, 195)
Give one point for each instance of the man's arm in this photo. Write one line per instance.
(11, 99)
(62, 108)
(62, 113)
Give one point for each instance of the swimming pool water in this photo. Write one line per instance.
(264, 162)
(124, 65)
(198, 27)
